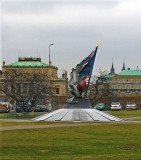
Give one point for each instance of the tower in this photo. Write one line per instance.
(112, 69)
(123, 68)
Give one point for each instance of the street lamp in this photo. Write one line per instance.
(49, 54)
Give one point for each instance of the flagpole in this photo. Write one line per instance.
(91, 74)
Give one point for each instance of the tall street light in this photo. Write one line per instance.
(49, 54)
(50, 74)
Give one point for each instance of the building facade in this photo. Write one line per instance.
(127, 86)
(31, 65)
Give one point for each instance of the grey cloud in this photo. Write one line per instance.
(47, 5)
(74, 36)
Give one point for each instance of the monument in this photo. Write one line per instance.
(78, 108)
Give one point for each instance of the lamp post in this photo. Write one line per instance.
(49, 54)
(50, 75)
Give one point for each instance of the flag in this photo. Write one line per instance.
(88, 66)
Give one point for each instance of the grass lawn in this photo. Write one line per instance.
(24, 115)
(121, 114)
(95, 142)
(14, 123)
(30, 115)
(125, 113)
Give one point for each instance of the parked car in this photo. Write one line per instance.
(40, 108)
(131, 106)
(116, 106)
(12, 111)
(101, 107)
(22, 106)
(5, 107)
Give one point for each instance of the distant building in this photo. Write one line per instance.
(124, 87)
(32, 64)
(127, 85)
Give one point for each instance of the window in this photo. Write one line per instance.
(132, 81)
(115, 86)
(119, 80)
(139, 86)
(115, 91)
(57, 90)
(12, 90)
(6, 86)
(132, 92)
(18, 88)
(123, 86)
(132, 86)
(44, 91)
(122, 80)
(136, 81)
(139, 91)
(25, 88)
(124, 92)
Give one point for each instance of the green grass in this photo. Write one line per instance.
(120, 114)
(24, 115)
(13, 123)
(95, 142)
(30, 123)
(30, 115)
(125, 113)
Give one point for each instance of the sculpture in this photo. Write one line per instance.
(80, 77)
(78, 107)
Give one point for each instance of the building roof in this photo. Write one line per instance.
(28, 62)
(130, 73)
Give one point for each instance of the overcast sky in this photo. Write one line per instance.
(74, 27)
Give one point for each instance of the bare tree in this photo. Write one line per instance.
(26, 88)
(100, 89)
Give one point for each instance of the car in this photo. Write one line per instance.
(116, 106)
(23, 106)
(101, 107)
(19, 109)
(40, 108)
(5, 107)
(12, 111)
(131, 106)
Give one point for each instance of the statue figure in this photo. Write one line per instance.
(80, 77)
